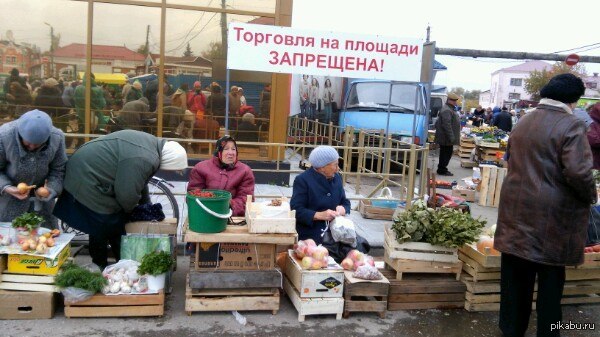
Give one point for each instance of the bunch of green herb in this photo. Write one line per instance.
(155, 263)
(72, 275)
(29, 221)
(453, 228)
(412, 224)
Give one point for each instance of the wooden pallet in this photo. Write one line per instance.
(424, 291)
(420, 251)
(313, 305)
(368, 211)
(240, 299)
(28, 283)
(118, 306)
(365, 295)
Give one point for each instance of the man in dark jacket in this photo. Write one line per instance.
(14, 77)
(478, 116)
(447, 133)
(104, 181)
(133, 114)
(503, 120)
(544, 207)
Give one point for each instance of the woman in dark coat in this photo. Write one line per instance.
(318, 194)
(544, 207)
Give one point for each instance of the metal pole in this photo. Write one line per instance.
(387, 123)
(227, 101)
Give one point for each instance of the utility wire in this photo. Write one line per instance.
(193, 37)
(589, 45)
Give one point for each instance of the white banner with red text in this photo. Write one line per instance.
(295, 51)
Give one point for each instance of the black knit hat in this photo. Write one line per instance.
(565, 88)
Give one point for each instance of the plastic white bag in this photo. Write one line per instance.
(122, 277)
(367, 272)
(74, 295)
(343, 230)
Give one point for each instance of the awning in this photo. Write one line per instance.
(107, 78)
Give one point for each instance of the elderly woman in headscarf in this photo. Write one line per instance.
(225, 172)
(107, 178)
(318, 194)
(32, 151)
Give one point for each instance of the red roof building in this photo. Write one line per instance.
(71, 59)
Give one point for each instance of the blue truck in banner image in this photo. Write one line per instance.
(368, 103)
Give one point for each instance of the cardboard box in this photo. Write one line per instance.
(35, 265)
(244, 256)
(314, 283)
(465, 193)
(26, 305)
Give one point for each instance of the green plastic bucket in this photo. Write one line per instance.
(209, 215)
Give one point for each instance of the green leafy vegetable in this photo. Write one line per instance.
(29, 221)
(155, 263)
(72, 275)
(446, 227)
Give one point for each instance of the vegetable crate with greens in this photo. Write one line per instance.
(425, 240)
(99, 305)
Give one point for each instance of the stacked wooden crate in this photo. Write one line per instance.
(101, 305)
(314, 292)
(424, 276)
(235, 270)
(365, 295)
(492, 178)
(482, 279)
(467, 144)
(27, 284)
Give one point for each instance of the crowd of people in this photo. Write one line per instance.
(187, 113)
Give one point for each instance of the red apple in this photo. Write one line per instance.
(596, 248)
(310, 250)
(310, 242)
(348, 264)
(356, 255)
(316, 264)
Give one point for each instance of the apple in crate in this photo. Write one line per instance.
(317, 264)
(307, 262)
(320, 253)
(300, 249)
(356, 255)
(310, 242)
(348, 264)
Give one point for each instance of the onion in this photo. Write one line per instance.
(24, 188)
(42, 192)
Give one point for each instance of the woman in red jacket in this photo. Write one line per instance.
(224, 172)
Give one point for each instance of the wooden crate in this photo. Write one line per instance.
(420, 251)
(492, 178)
(402, 266)
(368, 211)
(314, 283)
(234, 279)
(365, 295)
(231, 299)
(27, 304)
(268, 225)
(465, 193)
(466, 163)
(28, 282)
(313, 305)
(101, 305)
(486, 261)
(424, 291)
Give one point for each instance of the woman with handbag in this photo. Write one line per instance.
(318, 195)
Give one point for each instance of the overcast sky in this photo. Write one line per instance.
(512, 25)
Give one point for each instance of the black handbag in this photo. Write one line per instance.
(147, 212)
(339, 250)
